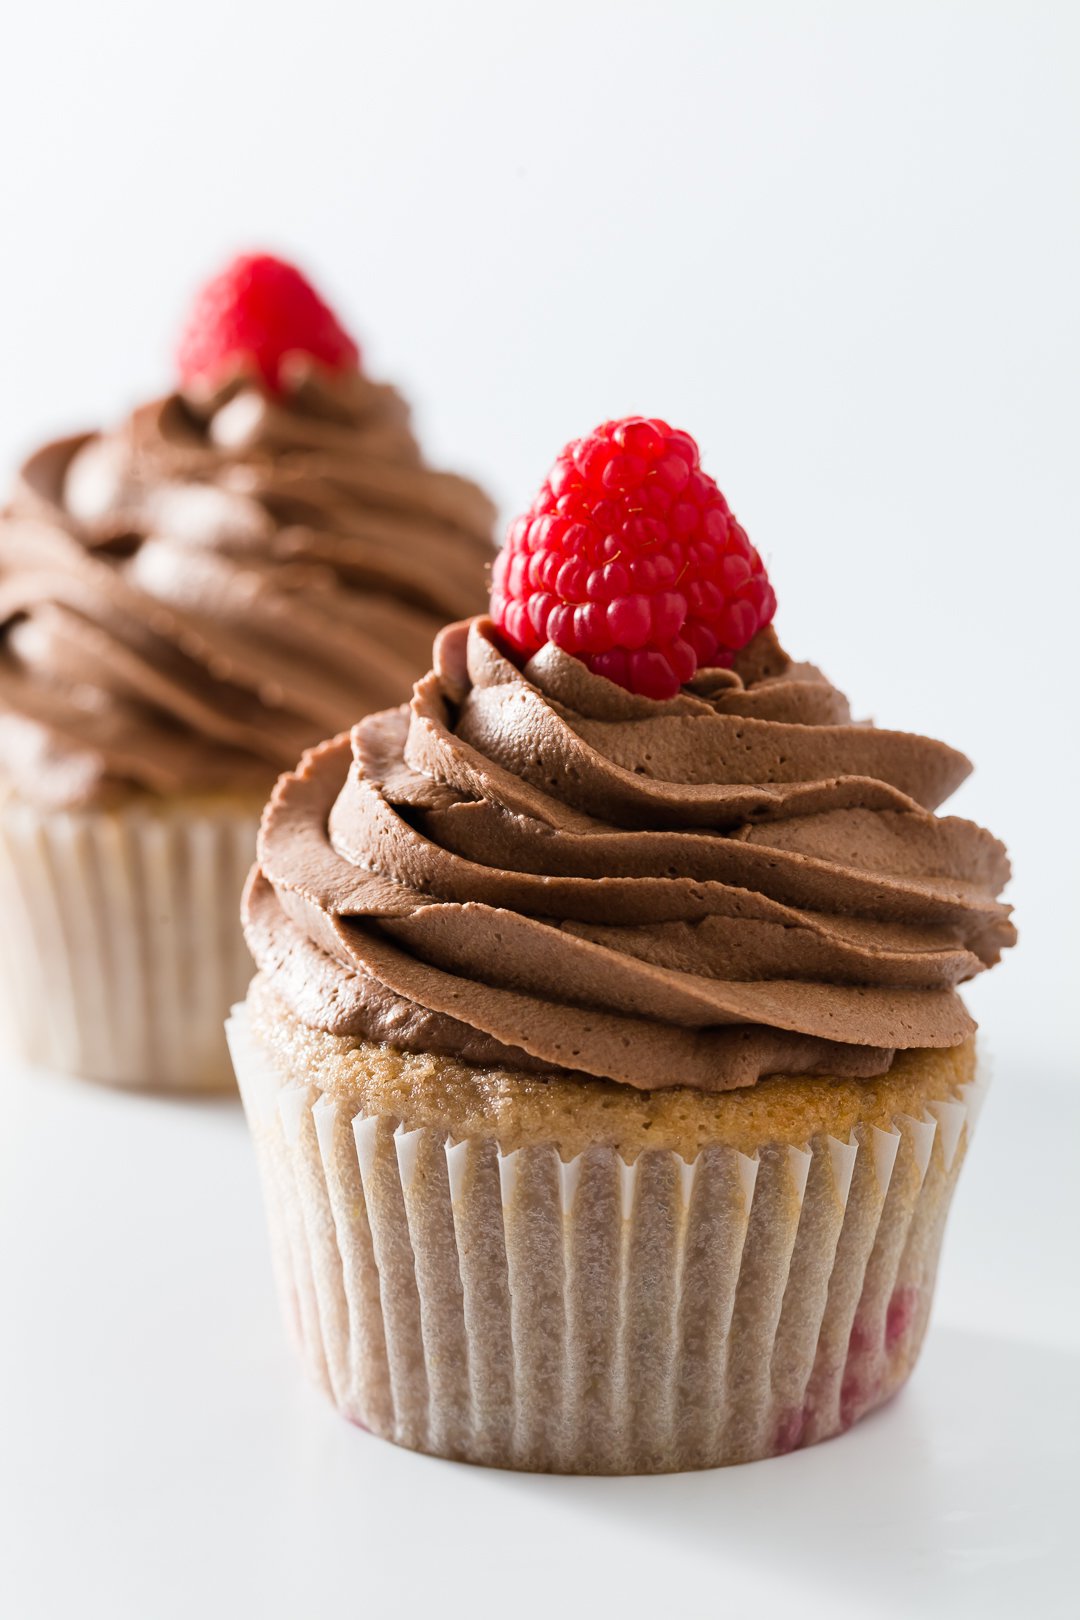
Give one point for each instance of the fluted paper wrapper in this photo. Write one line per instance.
(595, 1316)
(121, 950)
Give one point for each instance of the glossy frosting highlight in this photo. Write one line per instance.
(190, 601)
(539, 870)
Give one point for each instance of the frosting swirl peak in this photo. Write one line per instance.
(537, 869)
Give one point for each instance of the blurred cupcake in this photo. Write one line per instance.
(185, 604)
(605, 1061)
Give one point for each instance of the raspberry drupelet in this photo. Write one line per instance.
(630, 558)
(249, 317)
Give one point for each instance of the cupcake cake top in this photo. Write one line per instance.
(238, 569)
(619, 833)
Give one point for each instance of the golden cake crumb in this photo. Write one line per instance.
(521, 1110)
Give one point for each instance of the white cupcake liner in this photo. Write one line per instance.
(595, 1316)
(121, 950)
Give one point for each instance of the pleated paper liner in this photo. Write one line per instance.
(595, 1316)
(121, 950)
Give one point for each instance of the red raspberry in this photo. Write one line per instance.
(630, 559)
(257, 311)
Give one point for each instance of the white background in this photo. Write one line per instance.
(839, 244)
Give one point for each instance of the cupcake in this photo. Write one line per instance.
(186, 603)
(604, 1060)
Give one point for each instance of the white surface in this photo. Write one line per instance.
(837, 242)
(161, 1457)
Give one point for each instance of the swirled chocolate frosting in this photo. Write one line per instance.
(190, 601)
(536, 869)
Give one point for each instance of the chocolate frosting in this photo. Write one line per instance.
(540, 870)
(188, 602)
